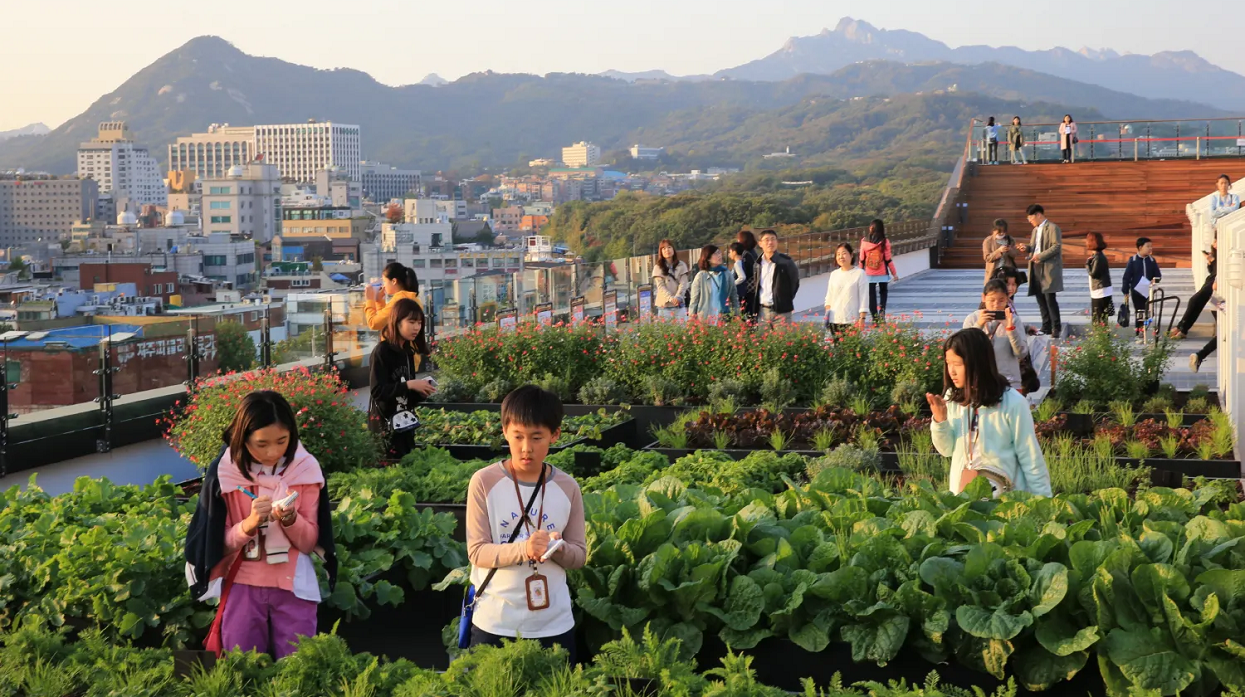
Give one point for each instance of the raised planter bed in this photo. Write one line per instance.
(1214, 469)
(645, 417)
(624, 433)
(782, 664)
(1084, 424)
(890, 460)
(411, 630)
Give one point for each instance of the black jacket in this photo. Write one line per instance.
(786, 283)
(391, 368)
(205, 539)
(1139, 267)
(1099, 271)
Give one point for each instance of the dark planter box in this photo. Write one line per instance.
(890, 461)
(782, 664)
(186, 662)
(411, 630)
(624, 433)
(1214, 469)
(1084, 424)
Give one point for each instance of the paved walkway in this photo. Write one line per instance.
(941, 299)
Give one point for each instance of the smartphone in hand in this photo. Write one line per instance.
(996, 315)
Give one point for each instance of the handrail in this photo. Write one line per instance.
(1088, 123)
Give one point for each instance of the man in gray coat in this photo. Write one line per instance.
(1045, 268)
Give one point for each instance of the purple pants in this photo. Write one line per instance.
(268, 620)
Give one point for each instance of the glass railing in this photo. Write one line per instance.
(1125, 140)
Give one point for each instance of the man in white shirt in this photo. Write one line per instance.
(777, 282)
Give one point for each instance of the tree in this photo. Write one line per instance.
(18, 265)
(297, 347)
(317, 264)
(234, 347)
(394, 214)
(485, 236)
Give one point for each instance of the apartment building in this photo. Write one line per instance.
(508, 220)
(210, 155)
(245, 203)
(383, 183)
(581, 154)
(121, 167)
(35, 212)
(300, 150)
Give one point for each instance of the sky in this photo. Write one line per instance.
(59, 56)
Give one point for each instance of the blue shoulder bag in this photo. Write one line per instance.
(472, 594)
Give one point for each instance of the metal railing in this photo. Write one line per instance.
(1123, 140)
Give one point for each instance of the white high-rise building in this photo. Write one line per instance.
(210, 155)
(300, 150)
(581, 154)
(121, 167)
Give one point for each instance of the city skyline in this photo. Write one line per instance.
(694, 36)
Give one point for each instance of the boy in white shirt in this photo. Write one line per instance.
(522, 583)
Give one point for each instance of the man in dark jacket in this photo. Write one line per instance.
(777, 282)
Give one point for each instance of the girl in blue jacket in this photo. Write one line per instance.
(982, 424)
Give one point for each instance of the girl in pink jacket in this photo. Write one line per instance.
(879, 265)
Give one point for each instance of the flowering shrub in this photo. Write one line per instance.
(1103, 369)
(329, 426)
(695, 357)
(522, 355)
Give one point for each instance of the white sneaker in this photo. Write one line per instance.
(1195, 362)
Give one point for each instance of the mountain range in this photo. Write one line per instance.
(497, 120)
(1180, 75)
(34, 129)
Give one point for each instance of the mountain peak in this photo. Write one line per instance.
(855, 30)
(209, 46)
(433, 79)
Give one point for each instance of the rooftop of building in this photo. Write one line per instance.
(78, 337)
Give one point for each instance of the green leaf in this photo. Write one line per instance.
(984, 624)
(744, 639)
(389, 594)
(942, 573)
(745, 602)
(1157, 547)
(1038, 669)
(1153, 582)
(1050, 585)
(1149, 662)
(878, 641)
(1058, 636)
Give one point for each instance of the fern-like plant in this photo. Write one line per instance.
(779, 440)
(1084, 406)
(1047, 410)
(823, 440)
(1138, 450)
(1175, 419)
(1124, 414)
(721, 440)
(1170, 445)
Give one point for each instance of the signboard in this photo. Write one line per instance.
(1240, 142)
(644, 301)
(544, 314)
(508, 319)
(577, 309)
(610, 301)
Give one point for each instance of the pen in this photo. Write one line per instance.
(253, 496)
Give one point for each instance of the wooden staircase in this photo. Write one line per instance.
(1121, 200)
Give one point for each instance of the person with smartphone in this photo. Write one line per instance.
(262, 515)
(394, 388)
(1006, 332)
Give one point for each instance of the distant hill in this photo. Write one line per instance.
(653, 75)
(1179, 75)
(34, 129)
(499, 120)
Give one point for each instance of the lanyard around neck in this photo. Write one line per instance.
(974, 433)
(544, 484)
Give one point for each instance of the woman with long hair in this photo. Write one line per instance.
(879, 266)
(398, 282)
(1068, 139)
(713, 289)
(1102, 306)
(992, 142)
(394, 389)
(670, 281)
(982, 424)
(1016, 141)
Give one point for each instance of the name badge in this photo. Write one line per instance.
(537, 592)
